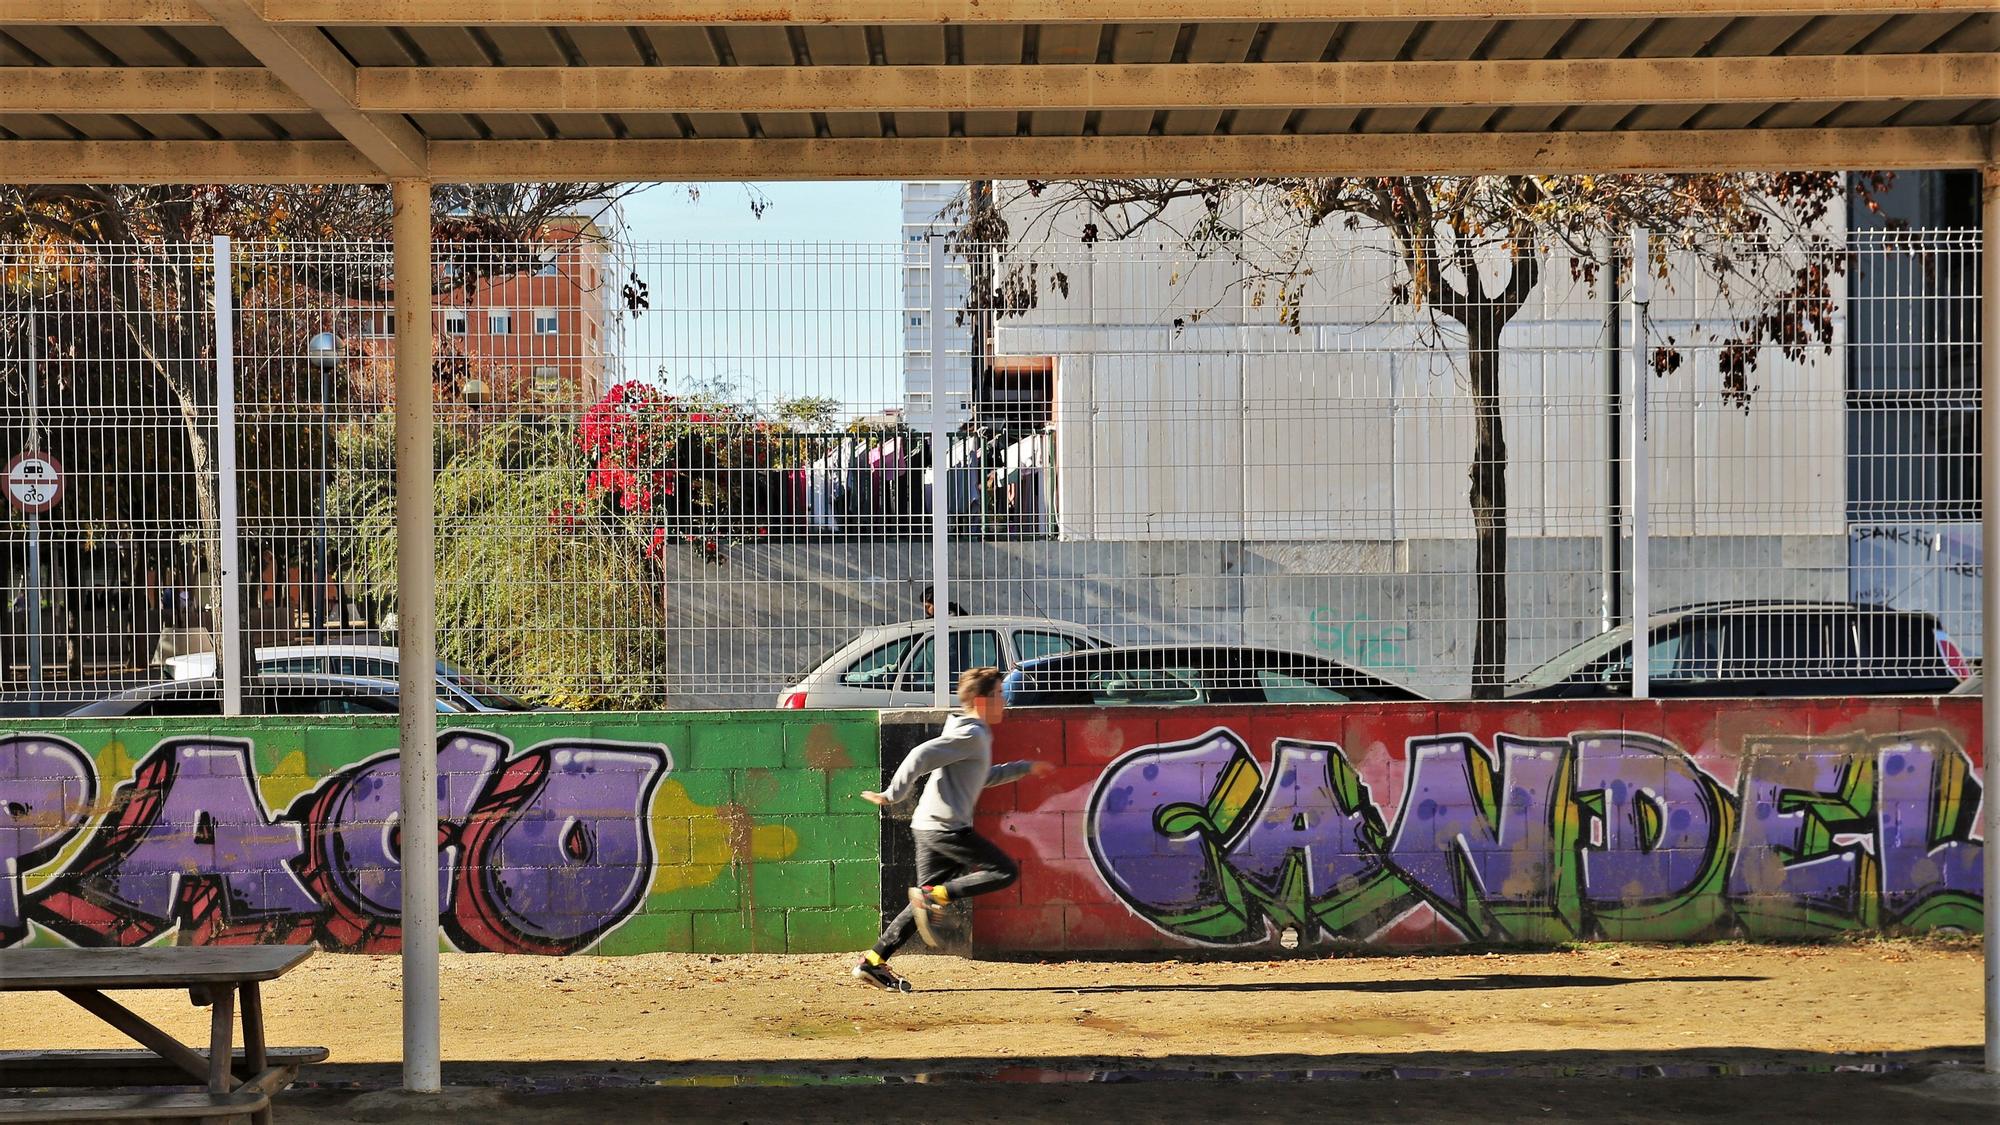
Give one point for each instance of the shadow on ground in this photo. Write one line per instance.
(1488, 982)
(1563, 1086)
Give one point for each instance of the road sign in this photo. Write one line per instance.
(34, 482)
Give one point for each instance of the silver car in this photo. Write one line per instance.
(890, 666)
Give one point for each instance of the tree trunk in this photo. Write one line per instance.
(1489, 505)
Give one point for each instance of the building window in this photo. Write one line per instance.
(545, 322)
(379, 324)
(454, 321)
(547, 268)
(500, 322)
(548, 380)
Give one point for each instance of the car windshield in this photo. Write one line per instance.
(1577, 659)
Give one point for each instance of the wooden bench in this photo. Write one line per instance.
(134, 1107)
(225, 979)
(132, 1068)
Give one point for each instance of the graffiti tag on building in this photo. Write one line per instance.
(1598, 835)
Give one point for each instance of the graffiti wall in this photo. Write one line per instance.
(559, 835)
(1398, 825)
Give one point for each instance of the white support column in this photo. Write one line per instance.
(940, 490)
(416, 589)
(230, 659)
(1989, 586)
(1635, 419)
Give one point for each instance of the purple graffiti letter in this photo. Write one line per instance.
(1157, 816)
(1317, 809)
(199, 816)
(561, 849)
(1801, 869)
(47, 786)
(358, 818)
(1926, 807)
(1659, 822)
(1487, 849)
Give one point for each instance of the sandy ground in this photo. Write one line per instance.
(526, 1023)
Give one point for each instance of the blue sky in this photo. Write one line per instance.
(830, 211)
(777, 318)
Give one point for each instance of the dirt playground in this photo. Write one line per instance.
(525, 1024)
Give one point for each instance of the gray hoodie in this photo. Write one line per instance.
(961, 759)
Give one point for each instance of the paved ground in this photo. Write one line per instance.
(1752, 1032)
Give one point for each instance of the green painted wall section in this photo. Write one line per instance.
(711, 832)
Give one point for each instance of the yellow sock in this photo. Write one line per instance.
(872, 957)
(938, 893)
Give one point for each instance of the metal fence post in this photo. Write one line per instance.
(940, 491)
(229, 659)
(1989, 585)
(1635, 418)
(36, 687)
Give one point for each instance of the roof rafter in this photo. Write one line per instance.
(308, 63)
(1015, 157)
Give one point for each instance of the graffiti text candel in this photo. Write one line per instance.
(1615, 835)
(541, 852)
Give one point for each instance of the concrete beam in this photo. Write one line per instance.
(163, 13)
(780, 89)
(783, 89)
(1011, 157)
(308, 63)
(141, 90)
(628, 12)
(452, 13)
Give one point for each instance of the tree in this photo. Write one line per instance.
(520, 591)
(114, 284)
(1469, 252)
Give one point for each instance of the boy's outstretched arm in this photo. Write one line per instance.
(1007, 772)
(934, 755)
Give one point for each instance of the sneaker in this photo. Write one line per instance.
(881, 976)
(926, 911)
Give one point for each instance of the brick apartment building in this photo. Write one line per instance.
(552, 335)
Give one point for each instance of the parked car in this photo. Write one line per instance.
(891, 666)
(275, 694)
(381, 662)
(1190, 674)
(1761, 648)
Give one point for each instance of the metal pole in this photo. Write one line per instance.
(319, 554)
(231, 660)
(1989, 586)
(940, 492)
(1635, 421)
(34, 526)
(1611, 569)
(416, 590)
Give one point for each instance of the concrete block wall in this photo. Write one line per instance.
(563, 834)
(1161, 828)
(1398, 825)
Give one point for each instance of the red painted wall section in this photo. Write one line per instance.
(1446, 823)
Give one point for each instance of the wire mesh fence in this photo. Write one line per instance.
(686, 475)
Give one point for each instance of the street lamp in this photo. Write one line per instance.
(475, 392)
(323, 358)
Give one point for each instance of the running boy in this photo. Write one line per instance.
(953, 861)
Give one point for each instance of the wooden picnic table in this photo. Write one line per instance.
(217, 976)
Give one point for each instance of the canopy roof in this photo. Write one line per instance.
(332, 90)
